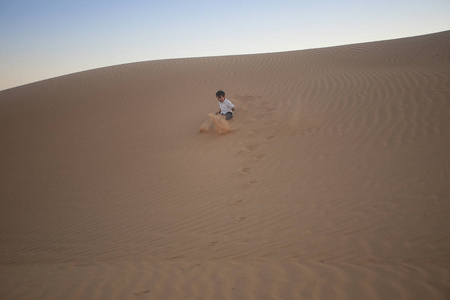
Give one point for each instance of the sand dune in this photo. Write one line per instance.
(334, 183)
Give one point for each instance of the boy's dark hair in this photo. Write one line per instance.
(220, 93)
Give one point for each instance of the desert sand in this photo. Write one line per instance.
(334, 182)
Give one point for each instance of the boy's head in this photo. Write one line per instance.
(220, 95)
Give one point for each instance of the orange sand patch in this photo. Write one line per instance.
(216, 122)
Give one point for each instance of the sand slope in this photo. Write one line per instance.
(334, 183)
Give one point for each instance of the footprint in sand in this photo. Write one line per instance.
(248, 184)
(243, 152)
(239, 219)
(259, 156)
(141, 293)
(251, 147)
(251, 183)
(244, 170)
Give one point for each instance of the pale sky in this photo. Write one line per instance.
(42, 39)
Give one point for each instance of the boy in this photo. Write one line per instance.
(226, 107)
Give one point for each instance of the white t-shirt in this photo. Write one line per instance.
(225, 106)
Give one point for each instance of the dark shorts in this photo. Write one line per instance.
(228, 115)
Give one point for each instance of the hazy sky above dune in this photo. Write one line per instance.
(49, 38)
